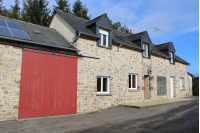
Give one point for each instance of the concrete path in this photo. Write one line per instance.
(146, 104)
(158, 119)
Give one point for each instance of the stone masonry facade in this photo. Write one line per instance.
(10, 76)
(115, 61)
(118, 61)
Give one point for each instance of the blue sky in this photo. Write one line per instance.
(178, 20)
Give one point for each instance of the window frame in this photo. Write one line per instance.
(108, 85)
(146, 48)
(181, 83)
(132, 81)
(171, 57)
(104, 33)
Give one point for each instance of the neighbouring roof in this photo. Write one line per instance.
(191, 75)
(43, 35)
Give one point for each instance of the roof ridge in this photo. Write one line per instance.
(12, 19)
(138, 33)
(121, 32)
(164, 43)
(70, 14)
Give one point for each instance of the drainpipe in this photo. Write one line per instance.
(119, 45)
(79, 34)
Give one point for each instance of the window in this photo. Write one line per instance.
(171, 56)
(102, 84)
(104, 37)
(181, 83)
(132, 81)
(146, 50)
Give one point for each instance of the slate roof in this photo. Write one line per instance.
(94, 20)
(137, 36)
(163, 46)
(46, 36)
(77, 23)
(120, 37)
(80, 25)
(177, 58)
(156, 51)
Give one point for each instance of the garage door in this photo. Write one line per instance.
(48, 84)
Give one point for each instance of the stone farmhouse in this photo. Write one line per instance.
(78, 66)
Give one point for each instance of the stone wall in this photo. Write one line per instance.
(10, 76)
(117, 61)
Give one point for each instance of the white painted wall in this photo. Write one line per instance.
(66, 30)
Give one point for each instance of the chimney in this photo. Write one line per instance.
(131, 31)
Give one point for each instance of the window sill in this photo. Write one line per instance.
(146, 57)
(182, 89)
(104, 46)
(103, 94)
(133, 90)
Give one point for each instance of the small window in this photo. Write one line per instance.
(171, 57)
(132, 81)
(104, 37)
(102, 84)
(181, 83)
(146, 50)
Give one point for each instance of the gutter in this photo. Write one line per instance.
(42, 44)
(160, 54)
(82, 33)
(129, 45)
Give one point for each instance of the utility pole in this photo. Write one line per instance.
(157, 34)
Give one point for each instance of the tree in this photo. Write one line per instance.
(36, 11)
(79, 10)
(125, 29)
(3, 10)
(15, 11)
(117, 26)
(63, 5)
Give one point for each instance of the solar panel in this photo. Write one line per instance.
(19, 34)
(14, 25)
(12, 29)
(5, 31)
(3, 22)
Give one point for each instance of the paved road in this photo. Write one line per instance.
(180, 117)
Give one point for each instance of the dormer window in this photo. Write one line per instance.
(171, 57)
(146, 50)
(104, 37)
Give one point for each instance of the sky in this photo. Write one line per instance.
(178, 21)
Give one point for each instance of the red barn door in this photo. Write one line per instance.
(48, 84)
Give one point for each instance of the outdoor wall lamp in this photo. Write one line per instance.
(149, 70)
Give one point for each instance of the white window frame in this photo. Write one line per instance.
(181, 83)
(146, 48)
(171, 56)
(104, 32)
(132, 82)
(108, 85)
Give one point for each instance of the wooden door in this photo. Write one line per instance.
(48, 84)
